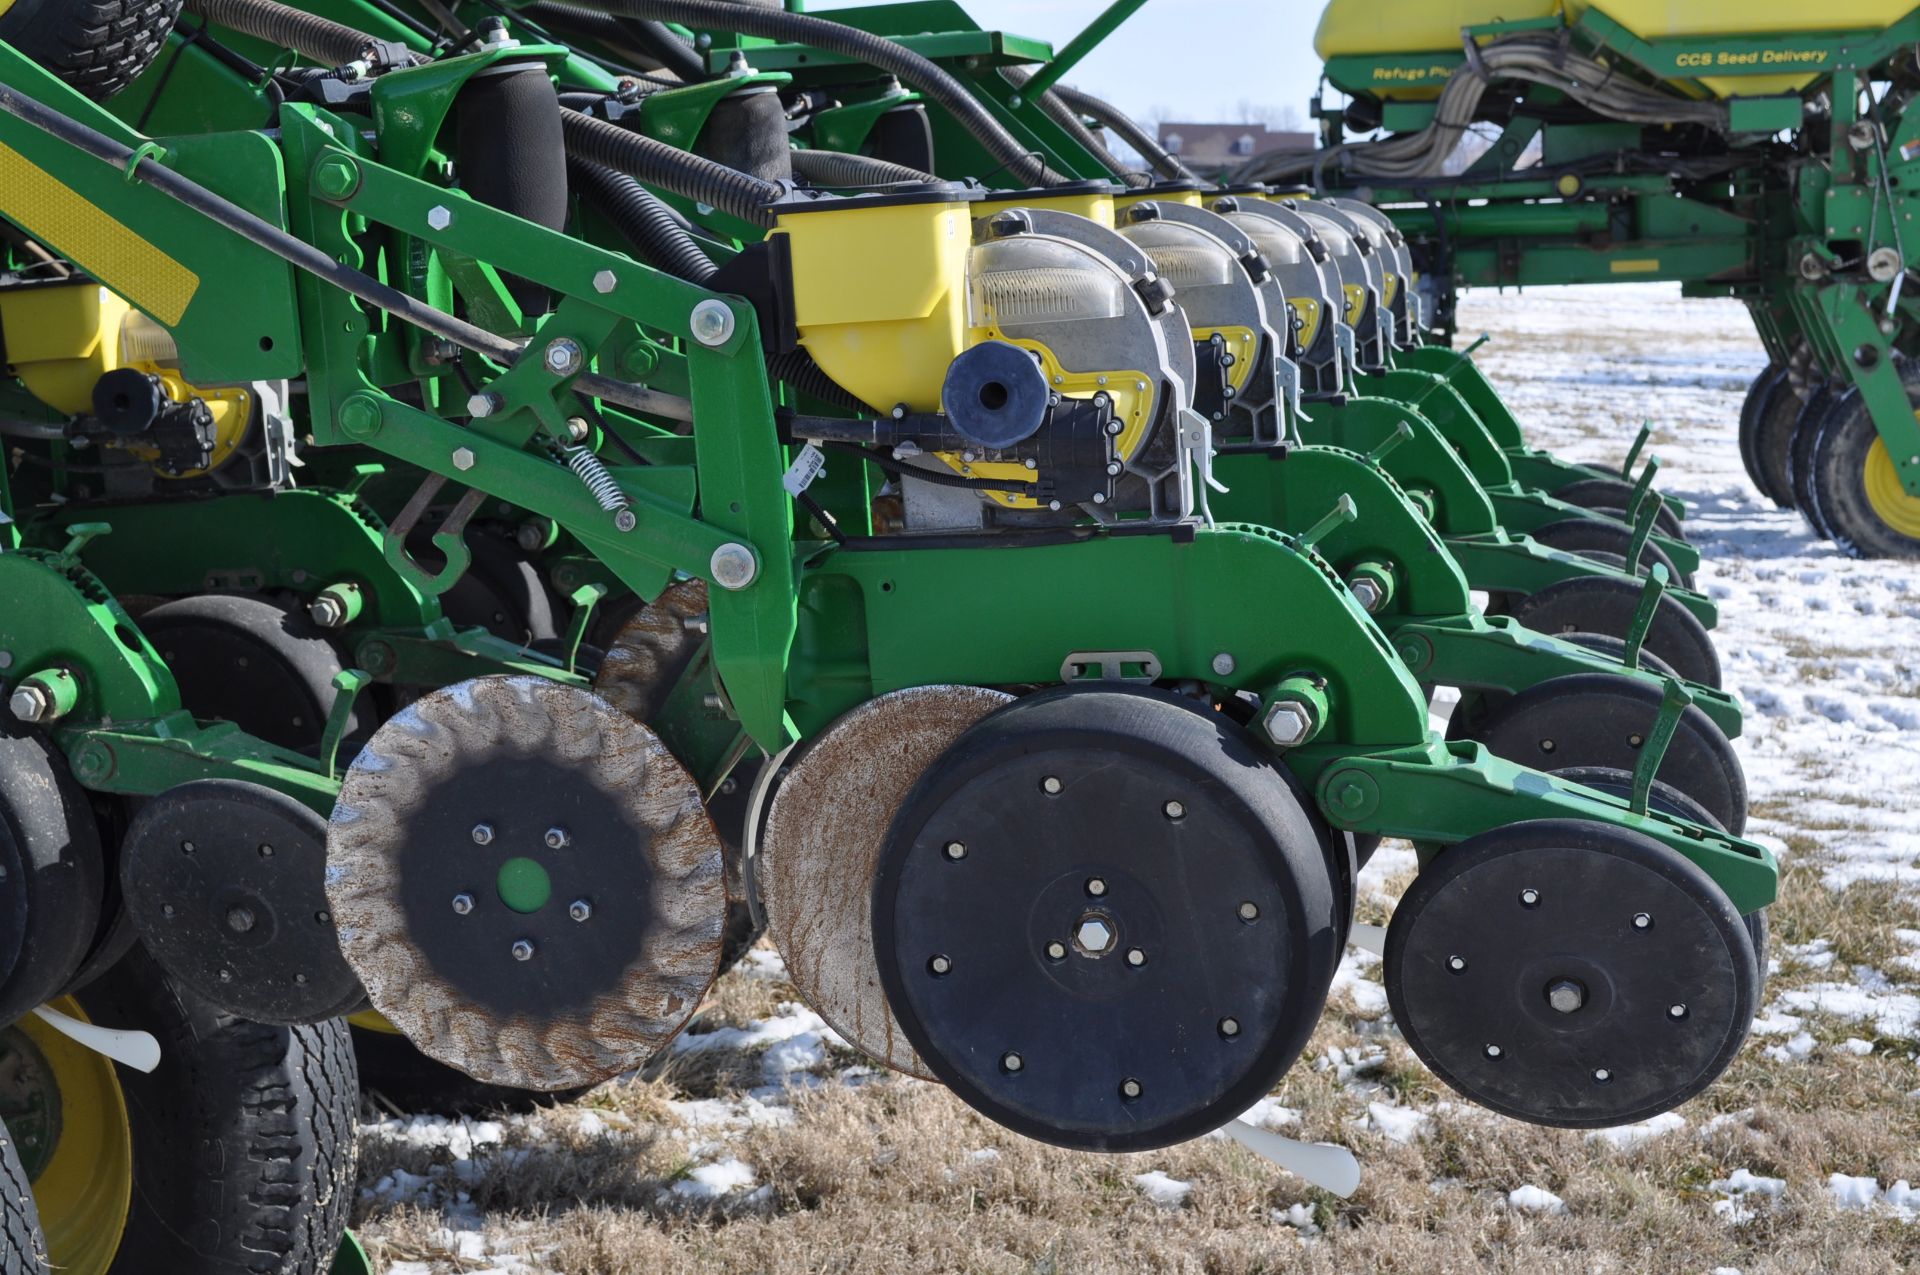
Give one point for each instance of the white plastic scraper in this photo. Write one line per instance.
(1326, 1166)
(138, 1050)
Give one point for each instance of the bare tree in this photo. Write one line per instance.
(1277, 119)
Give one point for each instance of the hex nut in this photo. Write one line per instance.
(1565, 995)
(712, 322)
(733, 566)
(463, 458)
(1288, 723)
(1093, 936)
(439, 217)
(1368, 594)
(605, 281)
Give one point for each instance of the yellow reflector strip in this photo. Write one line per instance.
(107, 249)
(1640, 265)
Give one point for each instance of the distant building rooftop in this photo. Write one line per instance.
(1218, 146)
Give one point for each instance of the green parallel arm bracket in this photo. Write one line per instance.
(1523, 511)
(1103, 25)
(1643, 512)
(58, 615)
(147, 758)
(1847, 313)
(440, 654)
(584, 599)
(1497, 653)
(1633, 452)
(1519, 564)
(1440, 794)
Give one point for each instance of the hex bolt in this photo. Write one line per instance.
(1529, 897)
(482, 834)
(1249, 911)
(239, 919)
(484, 404)
(1174, 810)
(1458, 964)
(733, 566)
(30, 704)
(1011, 1061)
(1229, 1027)
(1051, 785)
(463, 458)
(327, 612)
(1096, 887)
(1641, 921)
(1565, 995)
(1131, 1089)
(1136, 957)
(625, 520)
(1495, 1052)
(522, 950)
(956, 850)
(712, 322)
(1056, 950)
(605, 281)
(580, 909)
(564, 357)
(439, 217)
(940, 964)
(1368, 594)
(462, 903)
(557, 838)
(1676, 1011)
(1093, 935)
(1287, 723)
(1223, 664)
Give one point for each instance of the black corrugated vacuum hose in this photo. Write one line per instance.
(1069, 119)
(909, 67)
(1164, 161)
(838, 168)
(648, 224)
(315, 38)
(670, 168)
(654, 39)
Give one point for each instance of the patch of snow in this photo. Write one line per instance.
(1853, 1193)
(1298, 1216)
(1857, 1047)
(1168, 1193)
(1535, 1199)
(1794, 1049)
(1268, 1113)
(1868, 998)
(1398, 1124)
(712, 1181)
(1621, 1137)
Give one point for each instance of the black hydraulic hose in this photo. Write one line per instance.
(655, 39)
(316, 38)
(910, 68)
(1069, 119)
(305, 256)
(648, 224)
(670, 168)
(1164, 161)
(838, 168)
(797, 368)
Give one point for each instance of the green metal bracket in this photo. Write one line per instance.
(584, 599)
(348, 683)
(1643, 511)
(1673, 701)
(1644, 613)
(1633, 452)
(80, 533)
(1105, 24)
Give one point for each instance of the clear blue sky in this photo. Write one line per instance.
(1181, 59)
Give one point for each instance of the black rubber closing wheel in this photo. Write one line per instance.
(1773, 437)
(1853, 482)
(1764, 387)
(97, 46)
(1569, 973)
(1611, 496)
(226, 883)
(56, 875)
(242, 659)
(1609, 542)
(22, 1245)
(1599, 719)
(1806, 428)
(1603, 604)
(1106, 920)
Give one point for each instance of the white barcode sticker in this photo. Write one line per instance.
(806, 467)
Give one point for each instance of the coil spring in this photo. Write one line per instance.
(588, 469)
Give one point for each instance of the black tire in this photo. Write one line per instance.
(22, 1246)
(1587, 536)
(1773, 438)
(241, 658)
(1853, 491)
(1608, 645)
(398, 1076)
(1752, 407)
(97, 46)
(1612, 495)
(1806, 427)
(58, 878)
(1591, 720)
(1598, 604)
(242, 1138)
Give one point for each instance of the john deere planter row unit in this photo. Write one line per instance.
(1756, 151)
(1087, 545)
